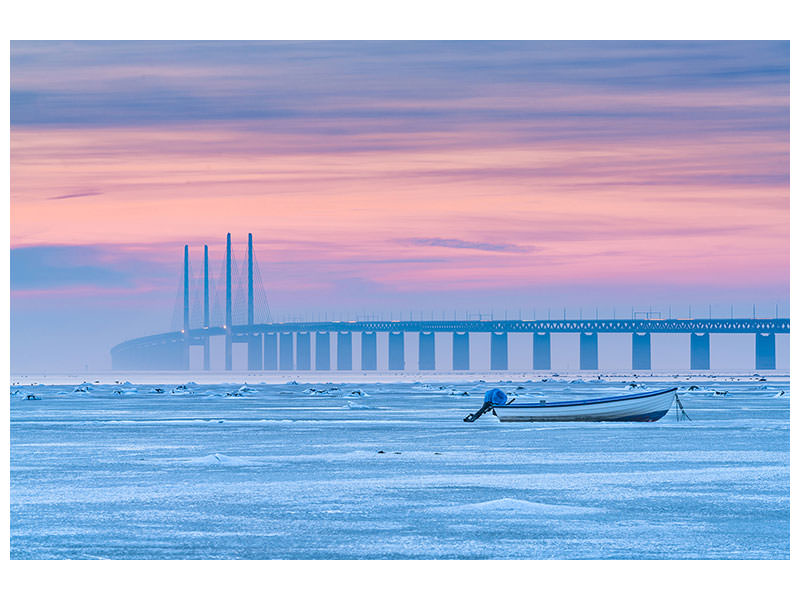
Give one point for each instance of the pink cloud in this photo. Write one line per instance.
(677, 210)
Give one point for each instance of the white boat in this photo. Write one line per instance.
(644, 406)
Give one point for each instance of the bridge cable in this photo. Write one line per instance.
(260, 301)
(176, 323)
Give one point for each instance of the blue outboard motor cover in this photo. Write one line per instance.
(496, 396)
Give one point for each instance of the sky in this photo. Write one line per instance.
(504, 178)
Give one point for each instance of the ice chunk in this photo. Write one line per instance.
(354, 406)
(320, 391)
(424, 386)
(512, 506)
(220, 459)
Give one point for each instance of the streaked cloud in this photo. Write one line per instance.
(82, 268)
(61, 266)
(465, 244)
(74, 195)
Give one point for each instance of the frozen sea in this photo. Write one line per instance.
(389, 470)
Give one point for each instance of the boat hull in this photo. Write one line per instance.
(644, 407)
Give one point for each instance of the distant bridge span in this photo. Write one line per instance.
(287, 346)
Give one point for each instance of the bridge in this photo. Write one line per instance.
(287, 346)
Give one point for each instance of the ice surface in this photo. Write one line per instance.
(292, 471)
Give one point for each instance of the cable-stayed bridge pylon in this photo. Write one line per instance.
(198, 303)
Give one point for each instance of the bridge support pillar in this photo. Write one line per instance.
(541, 351)
(182, 355)
(369, 351)
(344, 351)
(303, 351)
(397, 358)
(286, 352)
(498, 351)
(270, 352)
(228, 308)
(460, 351)
(640, 353)
(186, 325)
(588, 350)
(206, 314)
(427, 351)
(765, 351)
(159, 357)
(185, 352)
(178, 358)
(322, 358)
(255, 355)
(700, 351)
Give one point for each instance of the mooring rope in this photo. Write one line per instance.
(679, 411)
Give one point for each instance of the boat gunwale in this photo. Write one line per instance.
(586, 402)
